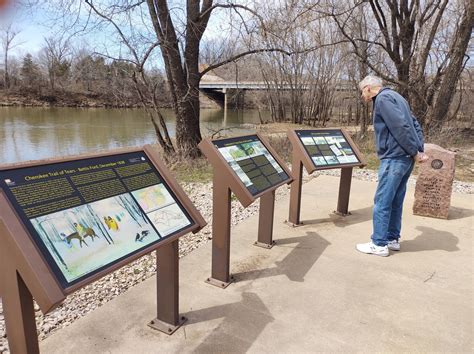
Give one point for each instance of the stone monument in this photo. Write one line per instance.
(435, 183)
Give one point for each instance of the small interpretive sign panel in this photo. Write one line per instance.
(89, 214)
(328, 147)
(252, 162)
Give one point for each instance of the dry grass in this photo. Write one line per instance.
(200, 170)
(187, 170)
(450, 140)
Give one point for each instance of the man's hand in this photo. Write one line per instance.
(421, 157)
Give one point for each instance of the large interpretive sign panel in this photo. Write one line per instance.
(327, 148)
(86, 215)
(254, 165)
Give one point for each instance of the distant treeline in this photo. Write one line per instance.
(82, 80)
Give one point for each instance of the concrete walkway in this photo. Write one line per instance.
(312, 292)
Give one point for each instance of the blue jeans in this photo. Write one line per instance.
(388, 201)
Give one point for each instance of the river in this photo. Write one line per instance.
(32, 133)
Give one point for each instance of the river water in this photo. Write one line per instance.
(32, 133)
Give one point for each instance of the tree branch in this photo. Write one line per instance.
(266, 50)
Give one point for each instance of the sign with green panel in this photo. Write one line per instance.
(328, 148)
(253, 164)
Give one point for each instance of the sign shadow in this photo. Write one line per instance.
(242, 324)
(357, 216)
(431, 240)
(305, 252)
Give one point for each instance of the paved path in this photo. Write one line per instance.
(312, 292)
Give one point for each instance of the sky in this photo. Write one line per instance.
(30, 23)
(34, 24)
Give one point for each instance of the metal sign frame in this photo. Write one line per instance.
(225, 181)
(301, 158)
(25, 273)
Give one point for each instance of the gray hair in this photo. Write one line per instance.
(370, 80)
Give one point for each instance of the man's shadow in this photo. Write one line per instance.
(431, 240)
(305, 252)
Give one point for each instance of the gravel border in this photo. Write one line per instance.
(102, 291)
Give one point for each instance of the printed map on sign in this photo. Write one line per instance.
(327, 147)
(252, 162)
(161, 209)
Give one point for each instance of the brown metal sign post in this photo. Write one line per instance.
(168, 319)
(40, 199)
(318, 150)
(228, 179)
(22, 273)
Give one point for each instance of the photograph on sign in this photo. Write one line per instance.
(327, 147)
(89, 214)
(252, 162)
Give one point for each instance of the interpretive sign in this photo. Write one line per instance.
(322, 149)
(251, 169)
(327, 148)
(88, 214)
(255, 166)
(67, 222)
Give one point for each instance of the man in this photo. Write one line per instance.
(399, 143)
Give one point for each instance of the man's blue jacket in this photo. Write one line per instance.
(397, 132)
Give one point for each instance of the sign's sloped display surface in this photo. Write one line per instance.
(89, 214)
(252, 162)
(327, 148)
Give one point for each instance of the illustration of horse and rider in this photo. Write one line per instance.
(81, 233)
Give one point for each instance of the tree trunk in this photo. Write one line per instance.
(188, 133)
(447, 90)
(6, 79)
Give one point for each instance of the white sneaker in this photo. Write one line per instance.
(371, 248)
(393, 245)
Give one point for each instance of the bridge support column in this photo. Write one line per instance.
(225, 99)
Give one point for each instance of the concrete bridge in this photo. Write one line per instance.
(224, 92)
(242, 85)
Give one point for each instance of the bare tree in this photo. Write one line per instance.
(8, 35)
(452, 74)
(416, 56)
(56, 58)
(301, 87)
(178, 31)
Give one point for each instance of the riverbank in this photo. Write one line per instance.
(63, 98)
(14, 98)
